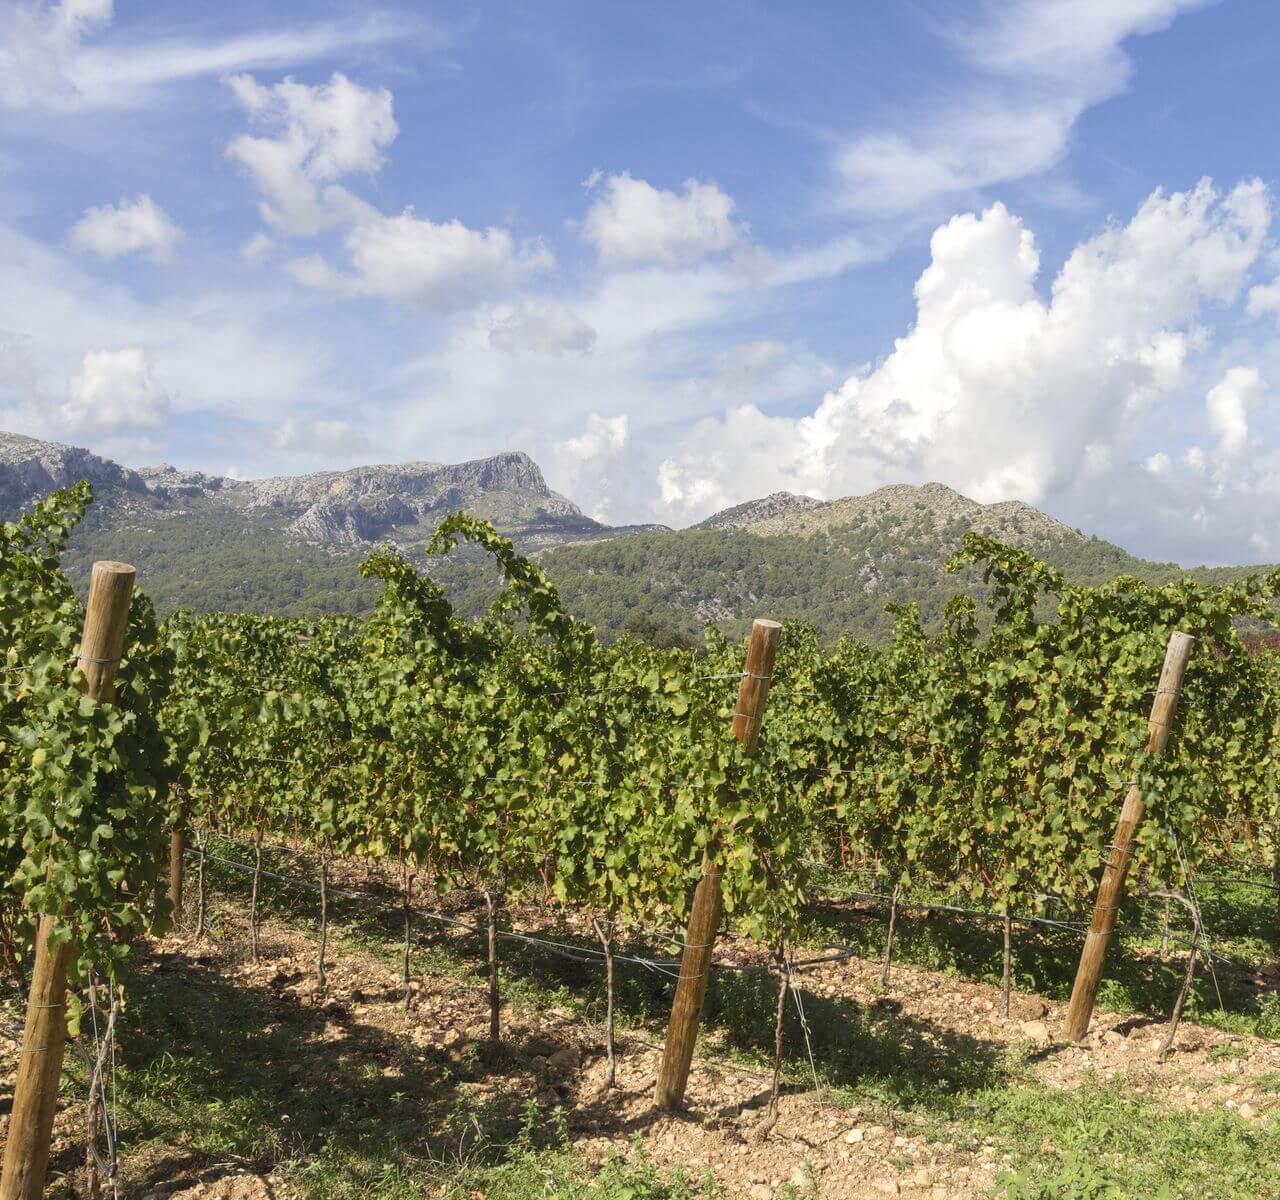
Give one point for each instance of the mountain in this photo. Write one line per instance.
(287, 544)
(941, 507)
(292, 544)
(833, 563)
(30, 469)
(782, 507)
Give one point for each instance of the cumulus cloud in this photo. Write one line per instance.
(319, 436)
(587, 467)
(1217, 505)
(1039, 65)
(438, 265)
(635, 223)
(1227, 405)
(114, 390)
(137, 226)
(541, 327)
(995, 389)
(427, 264)
(313, 136)
(316, 135)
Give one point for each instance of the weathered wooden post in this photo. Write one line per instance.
(1111, 890)
(35, 1092)
(704, 919)
(177, 851)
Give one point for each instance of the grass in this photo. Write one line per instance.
(533, 1170)
(1103, 1142)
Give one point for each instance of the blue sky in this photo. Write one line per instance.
(683, 254)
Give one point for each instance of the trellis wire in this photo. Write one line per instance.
(100, 1108)
(103, 1058)
(582, 954)
(670, 967)
(1026, 919)
(1198, 917)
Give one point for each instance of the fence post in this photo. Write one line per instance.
(1111, 890)
(704, 918)
(44, 1038)
(177, 852)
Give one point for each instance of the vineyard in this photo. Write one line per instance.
(1074, 763)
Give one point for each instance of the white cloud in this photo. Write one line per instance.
(18, 374)
(233, 354)
(133, 226)
(635, 223)
(994, 389)
(740, 366)
(114, 390)
(47, 60)
(38, 45)
(1064, 39)
(588, 468)
(258, 247)
(314, 271)
(1040, 64)
(319, 436)
(423, 263)
(438, 265)
(1218, 506)
(541, 327)
(1227, 405)
(128, 73)
(1264, 298)
(315, 136)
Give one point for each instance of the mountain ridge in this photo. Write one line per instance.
(292, 544)
(362, 503)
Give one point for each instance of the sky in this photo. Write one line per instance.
(683, 254)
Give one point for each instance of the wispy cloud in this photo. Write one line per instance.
(1036, 66)
(66, 57)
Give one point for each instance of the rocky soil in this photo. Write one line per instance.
(821, 1145)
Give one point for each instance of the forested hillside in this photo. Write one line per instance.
(663, 585)
(840, 580)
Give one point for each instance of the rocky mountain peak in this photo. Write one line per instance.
(430, 484)
(779, 506)
(934, 505)
(31, 468)
(167, 482)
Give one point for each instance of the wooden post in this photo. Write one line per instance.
(1111, 890)
(704, 919)
(177, 851)
(44, 1039)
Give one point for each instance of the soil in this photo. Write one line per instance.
(847, 1153)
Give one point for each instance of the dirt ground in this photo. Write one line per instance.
(846, 1153)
